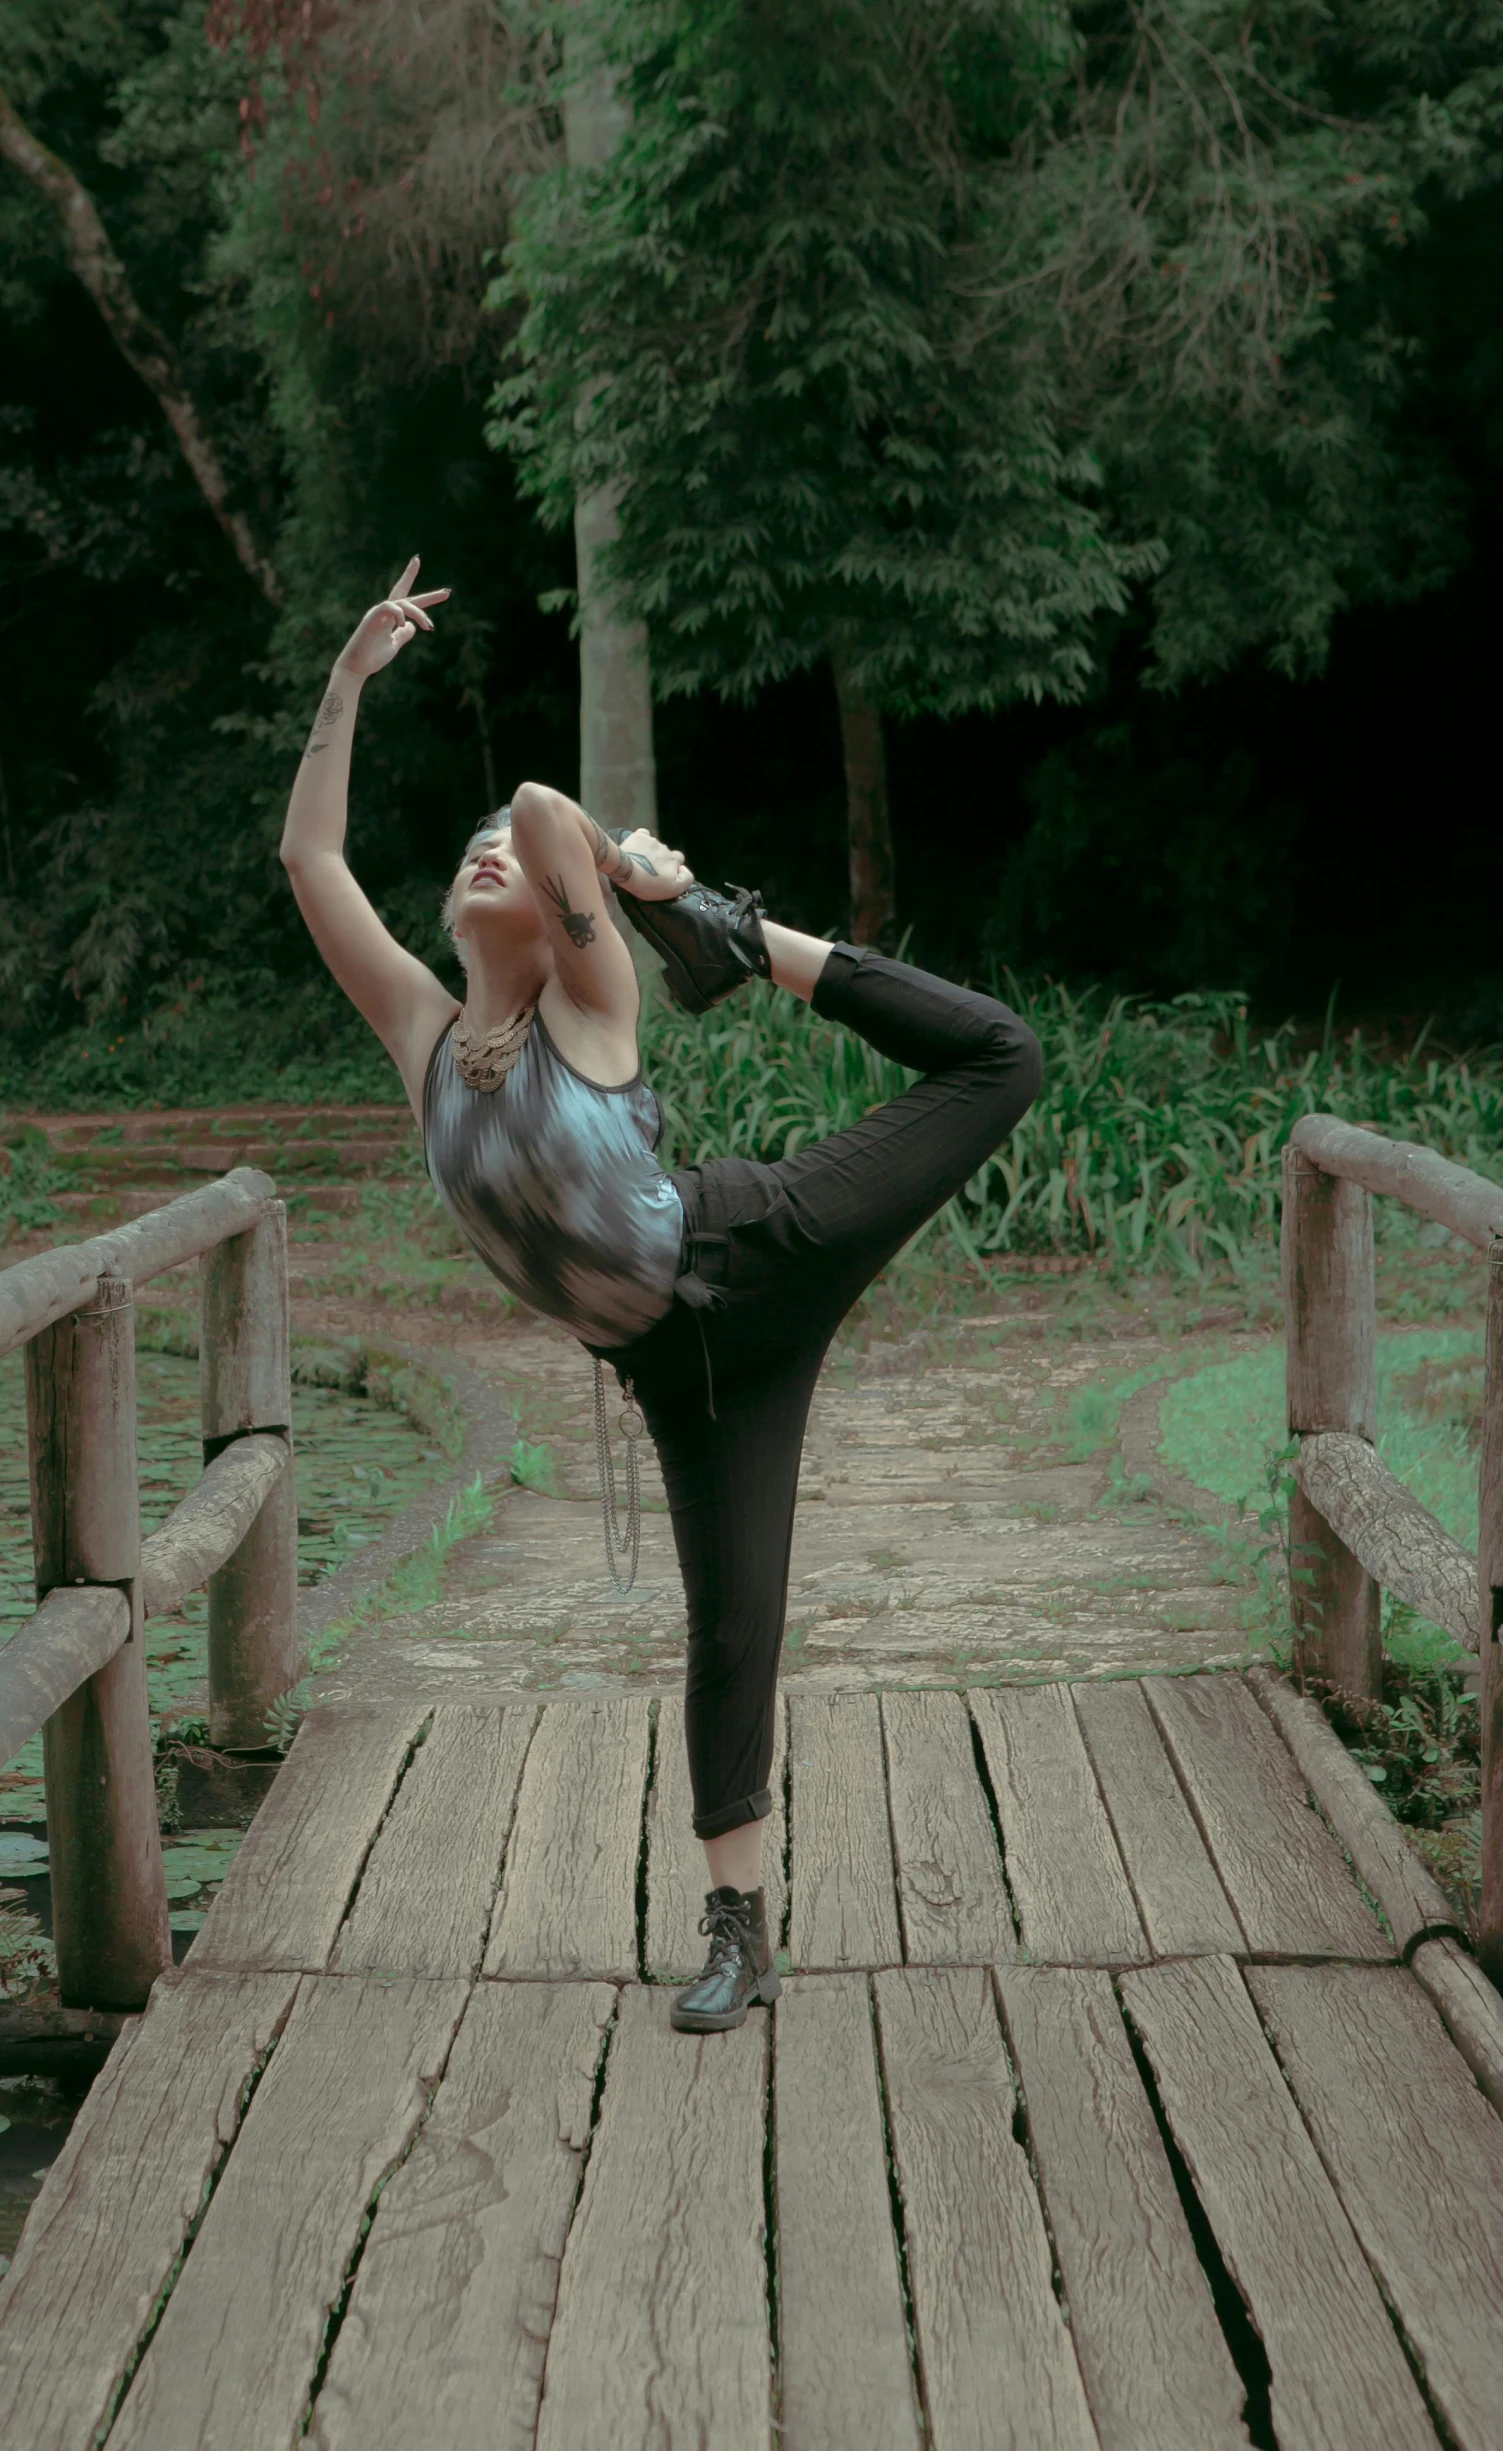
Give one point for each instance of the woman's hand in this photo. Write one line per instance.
(655, 873)
(387, 627)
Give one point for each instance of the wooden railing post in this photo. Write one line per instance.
(1330, 1326)
(245, 1369)
(109, 1896)
(1490, 1630)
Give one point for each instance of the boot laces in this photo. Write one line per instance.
(728, 1931)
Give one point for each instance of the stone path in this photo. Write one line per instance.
(941, 1537)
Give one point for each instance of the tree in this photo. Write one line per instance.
(145, 348)
(941, 335)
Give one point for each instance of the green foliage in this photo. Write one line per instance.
(922, 337)
(1422, 1748)
(534, 1467)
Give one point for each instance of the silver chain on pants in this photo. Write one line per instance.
(619, 1544)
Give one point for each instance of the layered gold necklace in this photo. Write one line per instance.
(483, 1062)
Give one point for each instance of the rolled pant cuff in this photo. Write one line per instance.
(755, 1807)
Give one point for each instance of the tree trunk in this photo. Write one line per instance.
(868, 823)
(146, 349)
(617, 771)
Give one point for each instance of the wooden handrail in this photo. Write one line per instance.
(37, 1291)
(1352, 1525)
(77, 1668)
(1399, 1541)
(1453, 1195)
(207, 1527)
(69, 1639)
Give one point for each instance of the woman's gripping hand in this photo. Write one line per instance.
(384, 631)
(647, 868)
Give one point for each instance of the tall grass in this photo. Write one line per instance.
(1156, 1137)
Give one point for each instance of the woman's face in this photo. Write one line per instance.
(489, 884)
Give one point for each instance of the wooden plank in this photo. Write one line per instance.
(446, 2331)
(844, 1899)
(285, 1895)
(1063, 1865)
(1185, 1910)
(210, 1522)
(1472, 2010)
(1416, 2154)
(1489, 1932)
(1421, 1178)
(1157, 2369)
(1412, 1901)
(426, 1892)
(951, 1893)
(1339, 2379)
(568, 1902)
(1279, 1864)
(37, 1291)
(233, 2359)
(661, 2331)
(676, 1875)
(109, 1898)
(121, 2199)
(845, 2365)
(999, 2371)
(54, 1651)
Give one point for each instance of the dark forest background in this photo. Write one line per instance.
(314, 205)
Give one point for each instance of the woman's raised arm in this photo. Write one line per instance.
(397, 994)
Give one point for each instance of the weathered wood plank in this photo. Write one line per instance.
(285, 1896)
(1280, 1866)
(1157, 2369)
(1396, 1540)
(676, 1875)
(1489, 1933)
(1412, 1901)
(951, 1893)
(1063, 1864)
(68, 1640)
(661, 2331)
(117, 2205)
(210, 1522)
(232, 2362)
(1185, 1910)
(845, 2366)
(1471, 2008)
(844, 1897)
(109, 1898)
(446, 2331)
(38, 1291)
(1340, 2381)
(1416, 2154)
(568, 1903)
(999, 2371)
(426, 1892)
(1455, 1196)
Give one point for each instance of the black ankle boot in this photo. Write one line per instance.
(710, 943)
(738, 1970)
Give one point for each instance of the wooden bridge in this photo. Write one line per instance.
(1131, 2085)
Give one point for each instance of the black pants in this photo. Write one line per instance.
(784, 1251)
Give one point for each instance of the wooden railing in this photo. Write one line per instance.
(1354, 1527)
(76, 1670)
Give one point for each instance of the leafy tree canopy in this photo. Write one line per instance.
(927, 336)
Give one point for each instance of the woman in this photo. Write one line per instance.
(713, 1293)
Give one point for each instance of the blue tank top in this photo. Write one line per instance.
(555, 1183)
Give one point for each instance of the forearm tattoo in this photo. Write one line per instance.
(328, 714)
(614, 860)
(578, 926)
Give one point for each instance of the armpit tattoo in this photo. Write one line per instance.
(578, 926)
(329, 713)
